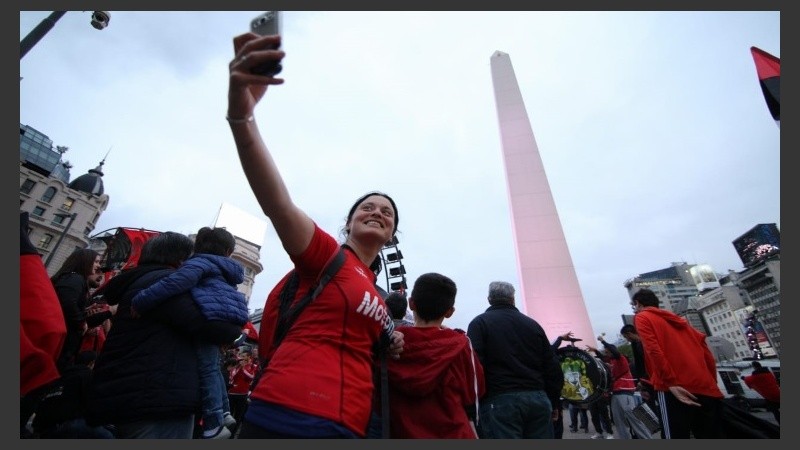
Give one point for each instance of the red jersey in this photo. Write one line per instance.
(240, 378)
(436, 379)
(323, 366)
(621, 375)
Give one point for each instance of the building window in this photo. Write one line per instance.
(49, 194)
(38, 211)
(27, 186)
(67, 206)
(59, 219)
(45, 241)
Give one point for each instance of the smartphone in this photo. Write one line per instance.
(266, 24)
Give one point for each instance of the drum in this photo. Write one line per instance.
(586, 378)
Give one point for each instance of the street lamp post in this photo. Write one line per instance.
(99, 21)
(60, 238)
(38, 33)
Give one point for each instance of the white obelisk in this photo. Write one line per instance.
(549, 291)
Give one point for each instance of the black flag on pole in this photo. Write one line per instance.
(768, 69)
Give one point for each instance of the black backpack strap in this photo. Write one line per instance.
(288, 313)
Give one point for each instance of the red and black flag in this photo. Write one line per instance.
(768, 69)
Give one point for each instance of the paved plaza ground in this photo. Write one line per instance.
(760, 413)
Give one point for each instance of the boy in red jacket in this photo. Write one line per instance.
(435, 385)
(682, 370)
(763, 381)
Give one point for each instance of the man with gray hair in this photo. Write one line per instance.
(523, 376)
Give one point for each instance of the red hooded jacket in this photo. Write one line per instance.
(42, 329)
(431, 385)
(765, 384)
(676, 354)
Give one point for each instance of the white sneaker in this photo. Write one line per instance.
(219, 433)
(596, 436)
(610, 436)
(228, 420)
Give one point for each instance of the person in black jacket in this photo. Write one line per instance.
(145, 379)
(79, 273)
(523, 376)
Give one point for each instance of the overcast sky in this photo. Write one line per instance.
(654, 134)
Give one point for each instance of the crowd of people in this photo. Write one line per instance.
(334, 357)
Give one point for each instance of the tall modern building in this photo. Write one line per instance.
(550, 292)
(674, 285)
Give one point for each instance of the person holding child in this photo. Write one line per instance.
(211, 276)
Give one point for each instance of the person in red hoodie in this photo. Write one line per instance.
(622, 386)
(435, 385)
(763, 381)
(42, 330)
(682, 371)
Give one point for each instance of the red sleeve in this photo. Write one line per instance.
(42, 329)
(312, 260)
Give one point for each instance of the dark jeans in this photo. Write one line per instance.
(516, 415)
(252, 431)
(601, 416)
(238, 404)
(213, 393)
(173, 428)
(576, 412)
(76, 429)
(558, 424)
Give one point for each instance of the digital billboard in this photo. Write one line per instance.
(761, 241)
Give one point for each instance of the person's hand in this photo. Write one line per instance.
(396, 346)
(683, 395)
(246, 89)
(554, 415)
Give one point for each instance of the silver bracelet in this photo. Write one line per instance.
(247, 119)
